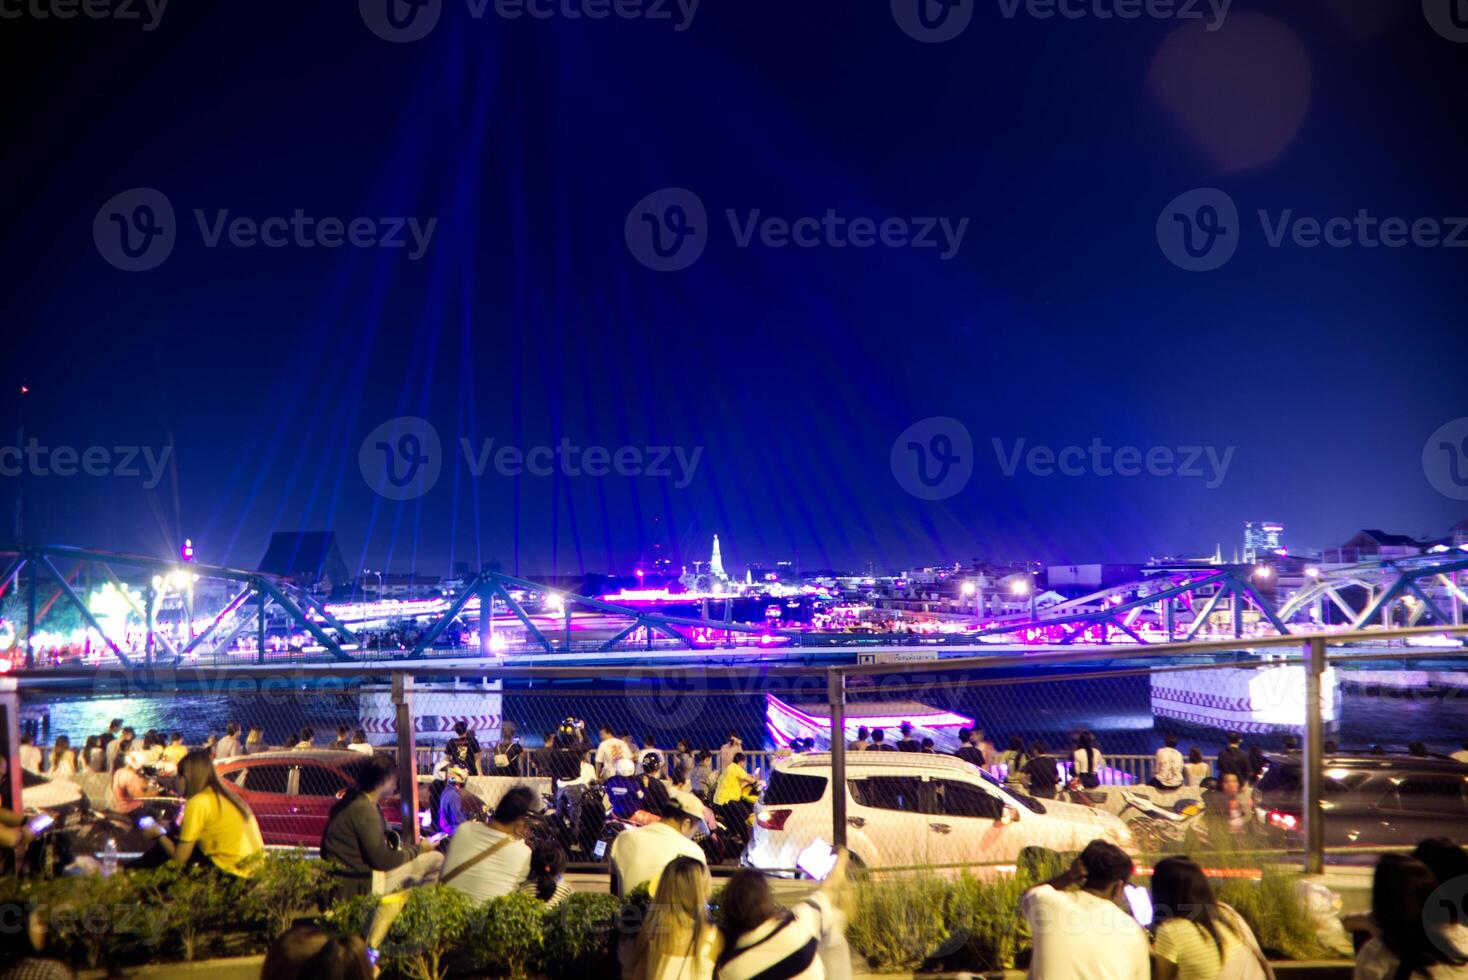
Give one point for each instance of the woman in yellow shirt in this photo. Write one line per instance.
(217, 829)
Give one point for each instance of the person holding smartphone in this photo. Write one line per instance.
(763, 940)
(1087, 932)
(218, 830)
(13, 829)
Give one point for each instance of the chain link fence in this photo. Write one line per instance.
(957, 763)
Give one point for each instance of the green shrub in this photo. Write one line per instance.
(985, 926)
(1275, 912)
(581, 934)
(434, 920)
(898, 924)
(506, 934)
(351, 916)
(191, 905)
(282, 886)
(89, 917)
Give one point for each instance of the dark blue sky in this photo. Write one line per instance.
(1318, 373)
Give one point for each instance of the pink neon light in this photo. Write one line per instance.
(933, 719)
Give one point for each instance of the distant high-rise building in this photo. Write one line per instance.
(1262, 538)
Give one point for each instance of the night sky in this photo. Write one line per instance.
(784, 375)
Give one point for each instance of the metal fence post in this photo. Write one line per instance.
(836, 692)
(1313, 786)
(10, 732)
(402, 699)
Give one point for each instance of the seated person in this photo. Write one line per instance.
(654, 790)
(624, 792)
(486, 861)
(357, 838)
(129, 786)
(453, 807)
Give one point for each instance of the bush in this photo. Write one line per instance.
(581, 935)
(191, 905)
(507, 935)
(1273, 909)
(434, 920)
(284, 884)
(351, 916)
(899, 924)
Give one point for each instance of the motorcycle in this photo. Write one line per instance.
(1157, 827)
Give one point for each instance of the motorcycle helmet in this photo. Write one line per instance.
(651, 763)
(624, 767)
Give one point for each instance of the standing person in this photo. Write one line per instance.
(1087, 933)
(93, 758)
(678, 940)
(507, 752)
(968, 748)
(218, 830)
(63, 759)
(1196, 769)
(927, 749)
(682, 756)
(1087, 761)
(1042, 772)
(863, 740)
(359, 743)
(304, 740)
(1195, 936)
(608, 751)
(341, 741)
(112, 740)
(357, 838)
(639, 855)
(650, 748)
(547, 880)
(1167, 766)
(1405, 943)
(1014, 761)
(763, 941)
(255, 741)
(985, 747)
(879, 741)
(229, 746)
(1234, 759)
(704, 779)
(727, 751)
(907, 743)
(463, 750)
(30, 754)
(486, 861)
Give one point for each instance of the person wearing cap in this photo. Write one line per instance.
(639, 855)
(486, 861)
(451, 809)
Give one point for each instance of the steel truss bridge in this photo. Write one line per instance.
(153, 614)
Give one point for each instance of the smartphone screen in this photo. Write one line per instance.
(40, 822)
(817, 860)
(1140, 901)
(600, 850)
(146, 823)
(435, 838)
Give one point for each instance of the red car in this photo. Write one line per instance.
(292, 791)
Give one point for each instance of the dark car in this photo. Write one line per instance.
(292, 791)
(1369, 800)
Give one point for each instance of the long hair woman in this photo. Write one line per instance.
(218, 830)
(63, 759)
(1193, 933)
(1412, 938)
(1087, 761)
(763, 940)
(678, 940)
(547, 874)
